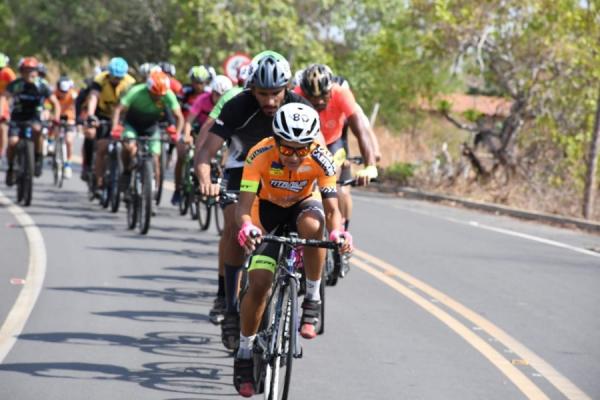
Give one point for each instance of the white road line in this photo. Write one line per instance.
(36, 271)
(476, 224)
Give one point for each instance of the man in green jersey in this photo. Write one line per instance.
(143, 107)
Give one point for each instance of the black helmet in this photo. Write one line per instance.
(316, 80)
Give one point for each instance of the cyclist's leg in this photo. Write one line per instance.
(155, 148)
(13, 140)
(69, 137)
(102, 136)
(260, 277)
(3, 136)
(310, 223)
(87, 150)
(338, 149)
(128, 152)
(38, 139)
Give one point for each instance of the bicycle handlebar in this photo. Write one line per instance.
(354, 182)
(295, 241)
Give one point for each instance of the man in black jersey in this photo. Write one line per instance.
(244, 121)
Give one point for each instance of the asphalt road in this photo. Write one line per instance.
(441, 303)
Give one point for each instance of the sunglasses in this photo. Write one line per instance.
(290, 151)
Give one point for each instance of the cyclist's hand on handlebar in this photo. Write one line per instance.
(210, 189)
(249, 236)
(172, 132)
(365, 175)
(117, 131)
(344, 238)
(92, 121)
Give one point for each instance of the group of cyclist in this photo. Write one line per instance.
(285, 137)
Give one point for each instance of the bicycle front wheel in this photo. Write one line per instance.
(145, 203)
(27, 178)
(203, 213)
(279, 369)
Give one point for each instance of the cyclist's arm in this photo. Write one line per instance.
(205, 154)
(93, 102)
(180, 120)
(4, 98)
(203, 135)
(359, 130)
(333, 216)
(189, 121)
(116, 119)
(372, 136)
(244, 207)
(55, 107)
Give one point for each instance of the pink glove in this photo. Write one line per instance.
(247, 230)
(338, 236)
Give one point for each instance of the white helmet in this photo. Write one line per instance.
(296, 122)
(221, 84)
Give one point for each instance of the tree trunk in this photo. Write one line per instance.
(590, 181)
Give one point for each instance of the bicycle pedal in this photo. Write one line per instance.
(299, 355)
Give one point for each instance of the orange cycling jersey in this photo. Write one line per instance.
(341, 106)
(67, 103)
(7, 75)
(265, 175)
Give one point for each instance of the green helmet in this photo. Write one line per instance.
(3, 60)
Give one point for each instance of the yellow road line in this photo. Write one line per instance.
(561, 383)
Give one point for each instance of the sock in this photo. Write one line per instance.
(221, 291)
(246, 346)
(312, 290)
(346, 225)
(232, 274)
(88, 148)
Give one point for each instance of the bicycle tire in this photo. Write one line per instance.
(28, 173)
(284, 341)
(145, 203)
(62, 145)
(115, 176)
(193, 207)
(219, 218)
(320, 328)
(162, 168)
(132, 205)
(204, 213)
(332, 271)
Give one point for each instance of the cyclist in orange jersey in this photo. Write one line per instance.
(7, 75)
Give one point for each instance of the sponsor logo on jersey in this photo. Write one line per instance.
(256, 153)
(276, 169)
(323, 158)
(292, 186)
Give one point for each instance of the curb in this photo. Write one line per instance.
(413, 193)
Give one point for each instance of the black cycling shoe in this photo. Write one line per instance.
(243, 376)
(10, 177)
(230, 331)
(311, 314)
(217, 312)
(39, 163)
(124, 181)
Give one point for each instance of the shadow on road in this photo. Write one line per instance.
(171, 344)
(143, 250)
(156, 316)
(195, 378)
(171, 295)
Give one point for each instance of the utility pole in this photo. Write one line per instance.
(590, 181)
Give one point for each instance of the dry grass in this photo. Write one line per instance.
(421, 145)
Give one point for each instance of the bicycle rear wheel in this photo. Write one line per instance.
(145, 212)
(279, 369)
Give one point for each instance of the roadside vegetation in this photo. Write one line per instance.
(541, 57)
